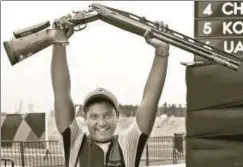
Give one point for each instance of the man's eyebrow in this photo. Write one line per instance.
(109, 112)
(93, 114)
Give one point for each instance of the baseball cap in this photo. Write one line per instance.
(101, 93)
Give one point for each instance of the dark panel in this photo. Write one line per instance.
(218, 9)
(36, 123)
(233, 46)
(32, 137)
(215, 121)
(219, 28)
(213, 85)
(10, 126)
(36, 145)
(215, 153)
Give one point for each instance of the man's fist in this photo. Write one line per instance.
(65, 27)
(161, 48)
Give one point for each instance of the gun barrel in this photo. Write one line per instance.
(120, 21)
(211, 54)
(138, 26)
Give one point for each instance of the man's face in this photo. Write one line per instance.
(101, 120)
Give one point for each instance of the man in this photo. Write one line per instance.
(101, 147)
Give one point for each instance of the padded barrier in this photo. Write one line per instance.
(214, 119)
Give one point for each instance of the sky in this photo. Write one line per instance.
(99, 56)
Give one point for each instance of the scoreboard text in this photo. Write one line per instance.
(220, 24)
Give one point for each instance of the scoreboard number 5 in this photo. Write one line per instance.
(207, 29)
(208, 10)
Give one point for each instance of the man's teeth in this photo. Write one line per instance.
(102, 130)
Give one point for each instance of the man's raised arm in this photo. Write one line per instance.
(147, 110)
(64, 108)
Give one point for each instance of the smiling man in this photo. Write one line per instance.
(101, 148)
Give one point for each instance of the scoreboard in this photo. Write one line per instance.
(215, 93)
(220, 24)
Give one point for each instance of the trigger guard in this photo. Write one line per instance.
(80, 27)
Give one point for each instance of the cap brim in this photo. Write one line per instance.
(97, 96)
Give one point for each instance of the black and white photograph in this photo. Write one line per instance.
(121, 84)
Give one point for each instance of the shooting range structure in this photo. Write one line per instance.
(214, 102)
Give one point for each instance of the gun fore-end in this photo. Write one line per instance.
(22, 48)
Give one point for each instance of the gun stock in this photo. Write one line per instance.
(30, 40)
(22, 48)
(31, 30)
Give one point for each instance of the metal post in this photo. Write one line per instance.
(174, 150)
(147, 155)
(22, 153)
(174, 156)
(12, 163)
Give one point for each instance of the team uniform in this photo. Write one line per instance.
(124, 150)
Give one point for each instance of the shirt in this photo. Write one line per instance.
(104, 147)
(131, 142)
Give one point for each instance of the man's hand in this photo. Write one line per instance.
(65, 29)
(161, 48)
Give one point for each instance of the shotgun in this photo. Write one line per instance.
(35, 38)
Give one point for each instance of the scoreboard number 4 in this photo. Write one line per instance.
(208, 10)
